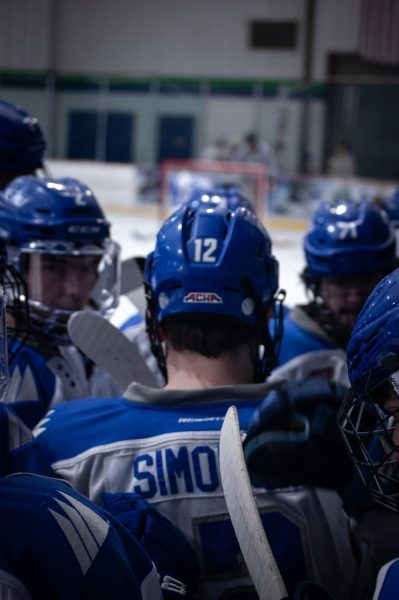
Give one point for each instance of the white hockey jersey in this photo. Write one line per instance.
(164, 446)
(39, 381)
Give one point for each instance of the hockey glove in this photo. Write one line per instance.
(293, 438)
(174, 558)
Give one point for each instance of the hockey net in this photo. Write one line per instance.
(180, 178)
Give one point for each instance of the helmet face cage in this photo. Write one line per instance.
(210, 261)
(4, 373)
(367, 431)
(46, 268)
(369, 415)
(16, 295)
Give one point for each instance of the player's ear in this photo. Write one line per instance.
(161, 335)
(268, 312)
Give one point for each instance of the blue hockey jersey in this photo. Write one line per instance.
(302, 334)
(388, 582)
(163, 445)
(19, 452)
(55, 544)
(39, 381)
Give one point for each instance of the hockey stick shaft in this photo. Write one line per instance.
(244, 514)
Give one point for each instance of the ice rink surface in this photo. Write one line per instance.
(136, 232)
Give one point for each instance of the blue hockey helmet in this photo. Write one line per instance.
(56, 226)
(66, 209)
(22, 144)
(210, 261)
(347, 238)
(373, 366)
(227, 195)
(391, 206)
(375, 338)
(4, 353)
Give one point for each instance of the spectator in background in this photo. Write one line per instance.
(254, 150)
(234, 142)
(341, 162)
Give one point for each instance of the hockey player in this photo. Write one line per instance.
(308, 448)
(369, 423)
(349, 247)
(211, 285)
(54, 543)
(58, 240)
(22, 144)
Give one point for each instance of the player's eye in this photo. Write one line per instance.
(392, 416)
(53, 268)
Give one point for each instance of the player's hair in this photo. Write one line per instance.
(210, 338)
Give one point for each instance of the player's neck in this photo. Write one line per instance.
(190, 370)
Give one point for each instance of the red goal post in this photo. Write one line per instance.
(251, 177)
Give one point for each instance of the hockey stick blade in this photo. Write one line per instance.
(244, 514)
(109, 348)
(131, 274)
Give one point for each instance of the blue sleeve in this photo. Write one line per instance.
(166, 545)
(388, 582)
(296, 340)
(19, 452)
(62, 546)
(34, 385)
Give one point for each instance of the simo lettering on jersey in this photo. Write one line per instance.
(203, 298)
(176, 471)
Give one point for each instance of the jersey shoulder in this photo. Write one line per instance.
(73, 428)
(387, 581)
(301, 335)
(32, 385)
(102, 561)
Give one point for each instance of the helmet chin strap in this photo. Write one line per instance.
(264, 363)
(18, 308)
(151, 328)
